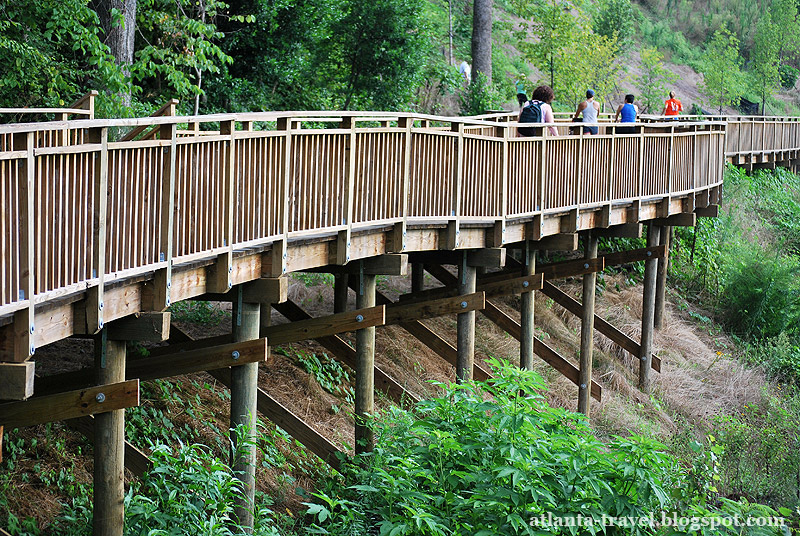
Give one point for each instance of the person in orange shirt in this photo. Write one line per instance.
(672, 106)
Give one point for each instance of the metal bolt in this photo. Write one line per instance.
(583, 386)
(235, 354)
(586, 265)
(359, 318)
(649, 253)
(100, 306)
(169, 284)
(463, 305)
(525, 284)
(32, 329)
(33, 349)
(100, 398)
(644, 358)
(230, 269)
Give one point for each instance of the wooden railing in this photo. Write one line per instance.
(97, 211)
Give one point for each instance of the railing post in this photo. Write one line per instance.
(343, 240)
(587, 327)
(400, 230)
(218, 278)
(279, 248)
(499, 234)
(453, 227)
(94, 296)
(24, 329)
(162, 280)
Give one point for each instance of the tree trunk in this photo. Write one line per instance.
(119, 37)
(482, 39)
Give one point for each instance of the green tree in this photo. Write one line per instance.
(786, 29)
(721, 68)
(591, 61)
(51, 53)
(654, 81)
(615, 18)
(381, 47)
(764, 73)
(554, 28)
(179, 41)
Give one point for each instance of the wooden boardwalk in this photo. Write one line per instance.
(105, 223)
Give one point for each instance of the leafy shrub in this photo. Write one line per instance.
(188, 492)
(198, 312)
(485, 458)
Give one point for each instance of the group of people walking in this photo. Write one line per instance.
(539, 110)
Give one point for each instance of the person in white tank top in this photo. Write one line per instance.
(589, 109)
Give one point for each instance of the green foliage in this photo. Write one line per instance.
(761, 459)
(615, 18)
(788, 76)
(660, 36)
(198, 312)
(329, 373)
(188, 492)
(722, 78)
(52, 52)
(764, 74)
(483, 459)
(478, 97)
(654, 81)
(546, 30)
(178, 43)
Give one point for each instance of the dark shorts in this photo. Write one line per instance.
(626, 130)
(591, 130)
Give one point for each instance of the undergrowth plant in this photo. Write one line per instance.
(484, 458)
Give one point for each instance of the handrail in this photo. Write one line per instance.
(88, 212)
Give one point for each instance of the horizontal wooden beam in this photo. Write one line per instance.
(626, 230)
(484, 257)
(515, 285)
(345, 353)
(557, 242)
(136, 461)
(312, 328)
(561, 270)
(142, 327)
(263, 290)
(393, 264)
(500, 284)
(167, 365)
(677, 220)
(512, 327)
(633, 255)
(441, 347)
(16, 380)
(573, 306)
(70, 404)
(398, 313)
(294, 425)
(711, 211)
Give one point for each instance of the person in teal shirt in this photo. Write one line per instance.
(522, 97)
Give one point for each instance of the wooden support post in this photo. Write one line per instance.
(661, 279)
(365, 366)
(648, 307)
(527, 311)
(244, 388)
(109, 443)
(467, 281)
(417, 277)
(340, 292)
(16, 380)
(587, 328)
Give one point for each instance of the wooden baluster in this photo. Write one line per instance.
(94, 296)
(453, 227)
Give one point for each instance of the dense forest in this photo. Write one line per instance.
(388, 54)
(477, 458)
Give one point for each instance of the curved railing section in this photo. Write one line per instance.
(96, 211)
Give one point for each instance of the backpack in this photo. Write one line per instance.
(531, 113)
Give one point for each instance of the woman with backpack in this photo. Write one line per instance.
(537, 110)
